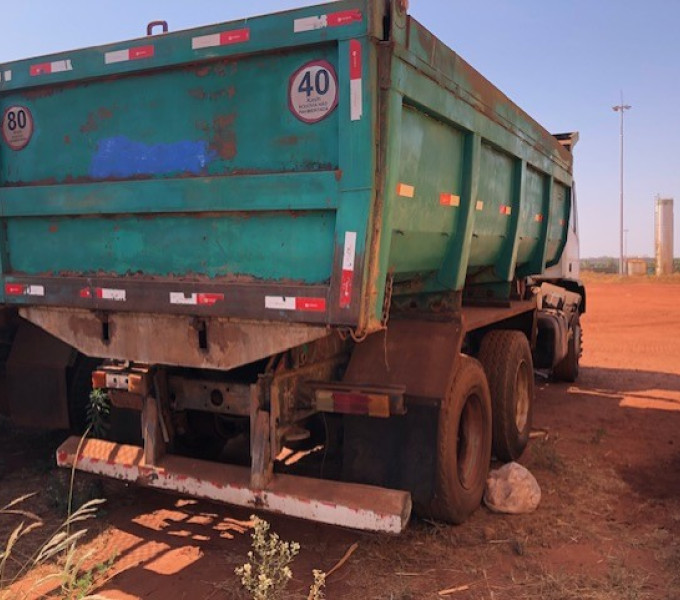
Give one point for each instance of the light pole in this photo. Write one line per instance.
(621, 108)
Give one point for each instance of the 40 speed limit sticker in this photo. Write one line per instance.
(313, 91)
(17, 127)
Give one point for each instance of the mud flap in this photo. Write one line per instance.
(37, 370)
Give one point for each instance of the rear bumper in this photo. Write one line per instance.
(350, 505)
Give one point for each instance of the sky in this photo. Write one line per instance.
(565, 62)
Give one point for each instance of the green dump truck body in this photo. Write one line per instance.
(283, 168)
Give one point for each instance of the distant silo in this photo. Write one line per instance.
(663, 235)
(637, 266)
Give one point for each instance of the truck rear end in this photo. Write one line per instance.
(282, 242)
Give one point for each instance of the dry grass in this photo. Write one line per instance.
(619, 583)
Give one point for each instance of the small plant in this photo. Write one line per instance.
(316, 589)
(77, 583)
(98, 411)
(267, 572)
(598, 436)
(544, 455)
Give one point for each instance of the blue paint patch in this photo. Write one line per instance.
(123, 157)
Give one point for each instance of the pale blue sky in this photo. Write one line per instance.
(563, 61)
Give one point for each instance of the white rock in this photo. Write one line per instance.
(512, 489)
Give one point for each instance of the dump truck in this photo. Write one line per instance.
(302, 259)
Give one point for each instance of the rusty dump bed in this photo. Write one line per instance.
(280, 168)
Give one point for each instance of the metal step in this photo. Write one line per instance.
(347, 504)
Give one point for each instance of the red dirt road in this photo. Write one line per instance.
(608, 526)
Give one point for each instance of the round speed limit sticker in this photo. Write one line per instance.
(17, 127)
(313, 91)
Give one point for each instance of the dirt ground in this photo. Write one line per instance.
(608, 526)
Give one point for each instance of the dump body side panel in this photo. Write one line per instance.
(476, 192)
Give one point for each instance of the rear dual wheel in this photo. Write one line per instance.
(506, 358)
(463, 444)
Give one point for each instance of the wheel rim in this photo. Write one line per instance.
(470, 439)
(522, 396)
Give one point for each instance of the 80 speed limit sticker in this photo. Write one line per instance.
(313, 91)
(17, 127)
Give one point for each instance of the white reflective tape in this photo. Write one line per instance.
(406, 191)
(57, 66)
(60, 66)
(116, 56)
(356, 99)
(280, 302)
(117, 381)
(35, 290)
(110, 294)
(6, 76)
(205, 41)
(349, 251)
(310, 23)
(223, 38)
(182, 298)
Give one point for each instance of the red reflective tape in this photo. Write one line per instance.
(344, 17)
(349, 403)
(209, 299)
(355, 66)
(449, 200)
(539, 218)
(505, 210)
(310, 304)
(41, 69)
(234, 37)
(15, 289)
(85, 293)
(141, 52)
(346, 288)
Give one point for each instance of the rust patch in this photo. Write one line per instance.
(338, 174)
(90, 124)
(289, 140)
(94, 118)
(231, 91)
(224, 138)
(43, 92)
(202, 72)
(67, 139)
(53, 228)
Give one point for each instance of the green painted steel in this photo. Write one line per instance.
(180, 158)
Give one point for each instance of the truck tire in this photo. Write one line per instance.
(463, 445)
(567, 368)
(506, 358)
